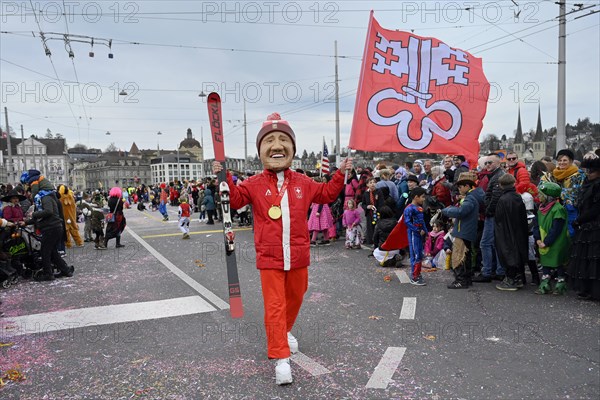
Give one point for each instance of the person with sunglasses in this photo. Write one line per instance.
(518, 169)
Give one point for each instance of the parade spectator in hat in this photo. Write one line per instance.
(280, 200)
(48, 219)
(464, 230)
(460, 165)
(12, 210)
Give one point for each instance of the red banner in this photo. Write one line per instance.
(417, 94)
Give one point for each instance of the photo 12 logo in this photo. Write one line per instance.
(54, 11)
(72, 92)
(468, 11)
(290, 12)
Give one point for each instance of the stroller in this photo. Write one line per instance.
(24, 246)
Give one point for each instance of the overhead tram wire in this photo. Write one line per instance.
(523, 30)
(56, 73)
(87, 120)
(521, 39)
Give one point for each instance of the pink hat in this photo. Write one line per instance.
(272, 124)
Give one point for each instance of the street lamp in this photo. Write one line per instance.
(202, 94)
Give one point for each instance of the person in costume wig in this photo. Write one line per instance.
(280, 200)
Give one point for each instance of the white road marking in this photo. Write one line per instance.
(103, 315)
(403, 276)
(409, 307)
(385, 369)
(309, 365)
(204, 292)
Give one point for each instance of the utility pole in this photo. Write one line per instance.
(337, 111)
(9, 164)
(561, 137)
(245, 137)
(32, 150)
(23, 149)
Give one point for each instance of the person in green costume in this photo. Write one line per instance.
(551, 235)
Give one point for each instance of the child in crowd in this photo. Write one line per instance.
(164, 198)
(416, 229)
(13, 213)
(385, 225)
(86, 209)
(351, 221)
(550, 232)
(95, 218)
(435, 242)
(184, 214)
(529, 202)
(320, 220)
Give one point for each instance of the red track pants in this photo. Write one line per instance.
(283, 292)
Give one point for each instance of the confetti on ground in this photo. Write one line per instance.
(376, 317)
(199, 263)
(14, 374)
(387, 278)
(10, 344)
(430, 337)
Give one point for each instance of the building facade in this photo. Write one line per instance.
(49, 156)
(175, 167)
(116, 169)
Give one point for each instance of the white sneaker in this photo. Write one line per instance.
(293, 343)
(283, 371)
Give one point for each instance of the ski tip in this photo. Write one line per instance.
(214, 96)
(236, 309)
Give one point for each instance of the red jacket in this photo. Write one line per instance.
(283, 243)
(442, 192)
(521, 174)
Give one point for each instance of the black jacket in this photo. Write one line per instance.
(493, 192)
(382, 230)
(511, 233)
(50, 216)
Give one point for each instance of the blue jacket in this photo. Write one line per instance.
(209, 200)
(467, 215)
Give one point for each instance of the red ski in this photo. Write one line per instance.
(236, 309)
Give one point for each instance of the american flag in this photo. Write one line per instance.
(325, 160)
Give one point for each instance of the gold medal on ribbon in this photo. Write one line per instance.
(275, 212)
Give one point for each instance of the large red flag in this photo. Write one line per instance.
(398, 238)
(417, 94)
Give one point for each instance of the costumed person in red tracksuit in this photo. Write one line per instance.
(280, 201)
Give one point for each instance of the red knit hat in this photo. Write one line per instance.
(272, 124)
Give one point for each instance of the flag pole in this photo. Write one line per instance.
(321, 168)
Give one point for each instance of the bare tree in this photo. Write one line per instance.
(111, 147)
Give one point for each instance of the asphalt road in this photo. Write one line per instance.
(150, 321)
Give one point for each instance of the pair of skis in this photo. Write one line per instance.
(236, 309)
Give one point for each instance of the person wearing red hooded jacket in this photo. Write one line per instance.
(518, 169)
(280, 201)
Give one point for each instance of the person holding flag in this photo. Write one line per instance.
(280, 199)
(324, 160)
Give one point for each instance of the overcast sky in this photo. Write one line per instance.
(277, 55)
